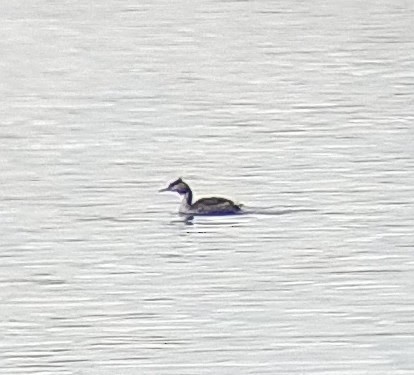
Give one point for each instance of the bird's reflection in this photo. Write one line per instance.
(184, 219)
(188, 219)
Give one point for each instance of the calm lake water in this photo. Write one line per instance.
(303, 111)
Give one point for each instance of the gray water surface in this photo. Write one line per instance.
(303, 111)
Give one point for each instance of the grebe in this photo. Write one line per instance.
(204, 206)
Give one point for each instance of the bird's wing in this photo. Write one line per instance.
(212, 202)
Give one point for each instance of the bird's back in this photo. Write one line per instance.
(215, 205)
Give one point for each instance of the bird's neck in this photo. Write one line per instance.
(186, 202)
(188, 197)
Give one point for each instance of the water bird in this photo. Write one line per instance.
(203, 206)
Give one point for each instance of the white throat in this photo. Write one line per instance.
(184, 206)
